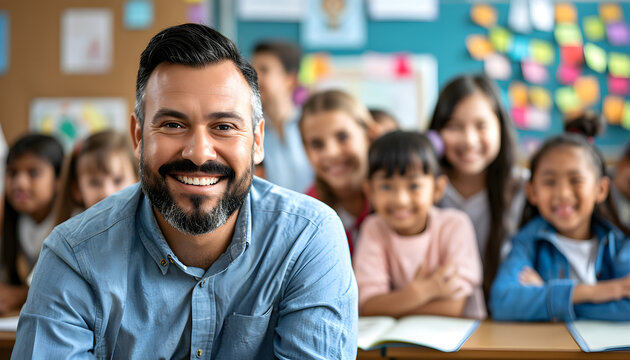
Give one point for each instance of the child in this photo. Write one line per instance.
(414, 258)
(31, 182)
(277, 64)
(568, 262)
(101, 165)
(334, 127)
(384, 122)
(620, 191)
(479, 151)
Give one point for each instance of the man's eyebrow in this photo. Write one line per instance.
(164, 112)
(225, 115)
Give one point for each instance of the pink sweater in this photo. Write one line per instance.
(385, 261)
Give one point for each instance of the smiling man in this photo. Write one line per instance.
(200, 260)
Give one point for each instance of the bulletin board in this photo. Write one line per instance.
(445, 39)
(34, 69)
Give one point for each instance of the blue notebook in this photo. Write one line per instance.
(593, 336)
(438, 332)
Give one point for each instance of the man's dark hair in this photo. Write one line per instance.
(192, 45)
(288, 53)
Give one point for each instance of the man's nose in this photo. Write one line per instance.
(199, 146)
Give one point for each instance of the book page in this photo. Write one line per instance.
(438, 332)
(600, 335)
(9, 323)
(371, 328)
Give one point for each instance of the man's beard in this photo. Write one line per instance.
(197, 221)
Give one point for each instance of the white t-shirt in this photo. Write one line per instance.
(581, 255)
(32, 236)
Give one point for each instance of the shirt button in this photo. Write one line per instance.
(199, 352)
(201, 284)
(171, 259)
(163, 262)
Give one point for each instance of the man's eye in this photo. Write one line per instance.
(172, 125)
(224, 127)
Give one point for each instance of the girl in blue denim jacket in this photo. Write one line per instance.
(569, 261)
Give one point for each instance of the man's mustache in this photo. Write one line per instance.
(187, 166)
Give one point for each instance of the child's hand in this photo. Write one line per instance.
(529, 277)
(441, 283)
(603, 291)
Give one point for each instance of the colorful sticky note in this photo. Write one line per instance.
(540, 97)
(594, 29)
(4, 42)
(537, 119)
(198, 13)
(138, 14)
(306, 75)
(518, 16)
(520, 48)
(567, 75)
(625, 120)
(402, 66)
(542, 14)
(618, 86)
(568, 34)
(534, 73)
(595, 57)
(542, 51)
(518, 94)
(565, 13)
(610, 12)
(484, 15)
(572, 55)
(567, 100)
(612, 109)
(519, 116)
(587, 89)
(478, 46)
(501, 39)
(497, 67)
(618, 34)
(619, 65)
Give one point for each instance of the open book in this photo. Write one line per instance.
(600, 335)
(438, 332)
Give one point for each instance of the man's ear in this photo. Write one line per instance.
(259, 137)
(602, 189)
(530, 193)
(439, 187)
(135, 128)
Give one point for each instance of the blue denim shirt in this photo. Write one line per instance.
(108, 285)
(286, 163)
(533, 246)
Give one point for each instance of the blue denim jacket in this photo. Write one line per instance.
(533, 246)
(107, 285)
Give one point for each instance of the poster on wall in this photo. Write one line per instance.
(271, 10)
(70, 119)
(4, 42)
(426, 10)
(86, 41)
(334, 24)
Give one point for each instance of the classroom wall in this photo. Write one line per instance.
(34, 64)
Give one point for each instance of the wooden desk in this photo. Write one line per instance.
(496, 340)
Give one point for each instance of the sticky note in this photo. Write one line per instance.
(587, 89)
(542, 14)
(520, 48)
(572, 55)
(197, 13)
(518, 16)
(534, 73)
(519, 116)
(4, 42)
(518, 94)
(594, 29)
(484, 15)
(501, 39)
(542, 51)
(565, 13)
(540, 97)
(306, 74)
(610, 12)
(402, 66)
(595, 57)
(497, 67)
(568, 34)
(625, 120)
(612, 109)
(567, 75)
(478, 46)
(538, 119)
(618, 86)
(567, 100)
(618, 34)
(138, 14)
(619, 64)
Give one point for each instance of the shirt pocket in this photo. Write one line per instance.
(245, 336)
